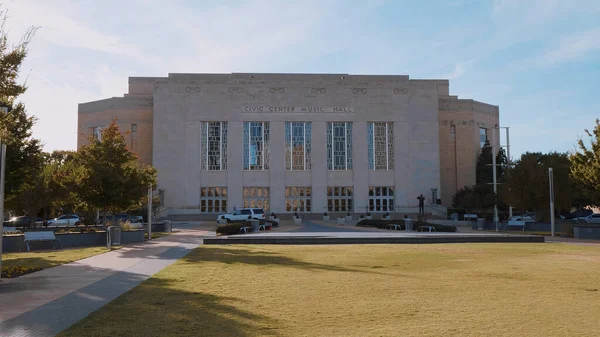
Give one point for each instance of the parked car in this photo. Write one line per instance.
(66, 220)
(134, 219)
(527, 217)
(581, 213)
(23, 221)
(592, 218)
(243, 214)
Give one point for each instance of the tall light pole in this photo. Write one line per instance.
(551, 183)
(2, 170)
(495, 182)
(150, 212)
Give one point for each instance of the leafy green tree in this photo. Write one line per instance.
(527, 185)
(23, 158)
(483, 170)
(469, 198)
(63, 169)
(484, 173)
(111, 179)
(585, 165)
(34, 194)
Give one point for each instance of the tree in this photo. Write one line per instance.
(34, 194)
(23, 157)
(111, 179)
(63, 169)
(474, 197)
(585, 165)
(527, 184)
(484, 171)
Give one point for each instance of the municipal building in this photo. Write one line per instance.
(306, 143)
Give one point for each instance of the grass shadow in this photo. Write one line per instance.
(241, 255)
(160, 307)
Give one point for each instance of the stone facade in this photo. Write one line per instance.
(168, 113)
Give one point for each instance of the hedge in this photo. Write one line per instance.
(231, 228)
(382, 224)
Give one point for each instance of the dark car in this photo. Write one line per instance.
(578, 214)
(23, 221)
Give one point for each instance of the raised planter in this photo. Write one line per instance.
(13, 243)
(158, 227)
(348, 218)
(586, 232)
(387, 217)
(325, 217)
(341, 221)
(82, 239)
(133, 236)
(297, 221)
(369, 217)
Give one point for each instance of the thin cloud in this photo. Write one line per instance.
(574, 47)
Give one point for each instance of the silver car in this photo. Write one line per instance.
(66, 220)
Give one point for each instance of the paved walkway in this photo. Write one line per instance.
(49, 301)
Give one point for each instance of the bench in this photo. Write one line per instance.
(515, 223)
(9, 229)
(41, 236)
(425, 229)
(394, 226)
(245, 229)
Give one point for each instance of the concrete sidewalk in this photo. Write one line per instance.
(49, 301)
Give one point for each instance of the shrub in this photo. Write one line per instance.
(16, 232)
(126, 226)
(383, 223)
(325, 214)
(10, 272)
(230, 229)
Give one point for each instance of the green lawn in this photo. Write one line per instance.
(49, 258)
(364, 290)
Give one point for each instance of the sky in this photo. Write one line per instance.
(538, 60)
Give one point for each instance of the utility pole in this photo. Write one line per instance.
(495, 182)
(2, 172)
(150, 212)
(551, 182)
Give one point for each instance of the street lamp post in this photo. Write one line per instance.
(150, 212)
(495, 182)
(2, 171)
(551, 183)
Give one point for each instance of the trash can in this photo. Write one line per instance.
(480, 223)
(254, 224)
(167, 224)
(115, 235)
(408, 225)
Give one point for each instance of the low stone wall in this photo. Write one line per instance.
(586, 232)
(529, 226)
(16, 243)
(12, 243)
(134, 236)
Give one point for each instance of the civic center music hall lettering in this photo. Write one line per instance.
(296, 109)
